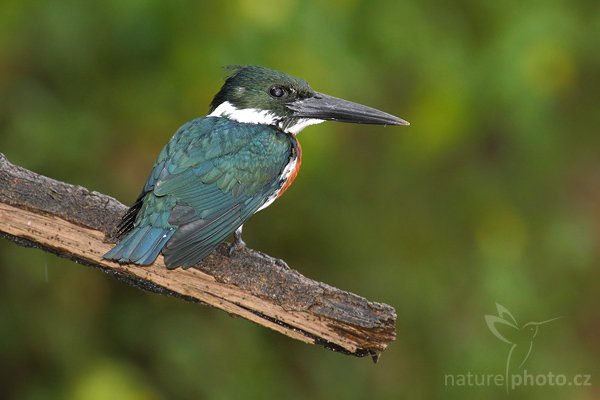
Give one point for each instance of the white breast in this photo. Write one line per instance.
(287, 172)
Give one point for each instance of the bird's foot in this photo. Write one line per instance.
(238, 244)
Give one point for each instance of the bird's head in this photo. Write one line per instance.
(531, 328)
(260, 95)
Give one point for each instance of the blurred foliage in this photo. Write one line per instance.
(492, 195)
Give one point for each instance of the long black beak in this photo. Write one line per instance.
(329, 108)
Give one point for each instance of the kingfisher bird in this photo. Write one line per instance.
(218, 170)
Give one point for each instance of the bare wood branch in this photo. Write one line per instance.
(72, 222)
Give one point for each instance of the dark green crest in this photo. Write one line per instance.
(262, 89)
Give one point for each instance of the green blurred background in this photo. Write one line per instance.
(491, 195)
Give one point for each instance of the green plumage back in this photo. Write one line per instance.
(210, 178)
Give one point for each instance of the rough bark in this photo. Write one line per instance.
(74, 223)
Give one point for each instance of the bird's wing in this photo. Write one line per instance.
(502, 329)
(212, 176)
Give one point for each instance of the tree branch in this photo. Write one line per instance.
(72, 222)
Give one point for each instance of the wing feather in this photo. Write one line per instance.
(210, 178)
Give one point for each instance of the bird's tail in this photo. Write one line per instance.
(141, 245)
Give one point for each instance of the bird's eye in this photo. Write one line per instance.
(277, 91)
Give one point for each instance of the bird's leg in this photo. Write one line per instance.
(238, 243)
(238, 237)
